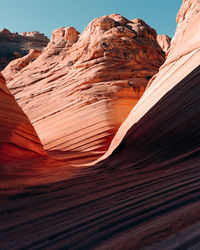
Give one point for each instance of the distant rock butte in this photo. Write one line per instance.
(18, 139)
(164, 41)
(36, 34)
(83, 86)
(13, 45)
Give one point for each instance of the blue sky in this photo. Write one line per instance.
(47, 15)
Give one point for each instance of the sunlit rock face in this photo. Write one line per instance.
(13, 45)
(164, 41)
(83, 86)
(18, 139)
(183, 57)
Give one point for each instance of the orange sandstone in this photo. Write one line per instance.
(18, 139)
(83, 86)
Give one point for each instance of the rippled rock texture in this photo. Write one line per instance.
(145, 193)
(18, 139)
(83, 86)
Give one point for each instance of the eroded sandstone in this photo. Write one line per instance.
(83, 86)
(18, 139)
(164, 41)
(13, 45)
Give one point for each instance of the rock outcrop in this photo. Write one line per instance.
(13, 45)
(18, 64)
(164, 41)
(83, 86)
(18, 139)
(37, 35)
(145, 194)
(182, 58)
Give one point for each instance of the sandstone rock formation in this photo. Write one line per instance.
(145, 194)
(164, 41)
(18, 64)
(82, 87)
(18, 139)
(13, 45)
(37, 35)
(182, 58)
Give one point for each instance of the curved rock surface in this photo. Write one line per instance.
(18, 139)
(183, 57)
(82, 87)
(164, 41)
(13, 45)
(145, 195)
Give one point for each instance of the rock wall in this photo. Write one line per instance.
(182, 58)
(18, 139)
(83, 86)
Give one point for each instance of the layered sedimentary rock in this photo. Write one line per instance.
(13, 45)
(18, 64)
(183, 57)
(164, 41)
(82, 87)
(18, 139)
(145, 195)
(37, 35)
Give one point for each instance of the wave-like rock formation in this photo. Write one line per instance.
(182, 58)
(145, 193)
(13, 45)
(18, 139)
(82, 87)
(164, 41)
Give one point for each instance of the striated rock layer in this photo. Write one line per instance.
(18, 139)
(13, 45)
(82, 87)
(145, 195)
(183, 57)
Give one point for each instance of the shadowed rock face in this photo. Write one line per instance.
(18, 139)
(83, 86)
(13, 45)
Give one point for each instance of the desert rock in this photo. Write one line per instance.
(83, 86)
(164, 41)
(37, 35)
(183, 57)
(145, 194)
(18, 139)
(16, 65)
(13, 45)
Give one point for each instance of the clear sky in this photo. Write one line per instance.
(47, 15)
